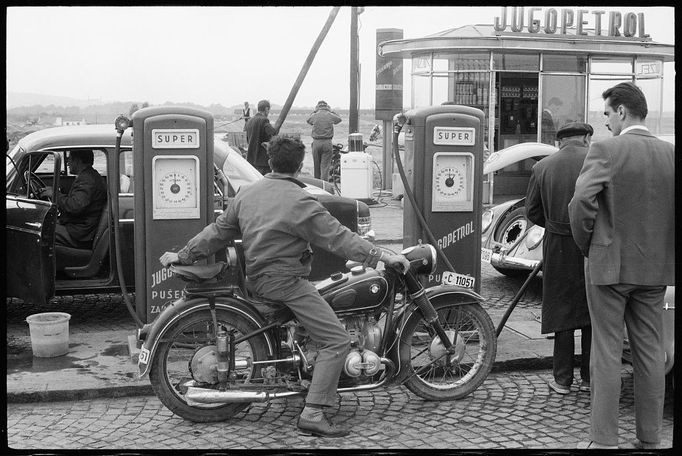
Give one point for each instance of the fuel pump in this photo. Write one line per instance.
(443, 169)
(173, 160)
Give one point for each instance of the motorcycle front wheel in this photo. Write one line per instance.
(432, 373)
(171, 372)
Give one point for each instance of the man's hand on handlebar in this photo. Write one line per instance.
(399, 262)
(169, 258)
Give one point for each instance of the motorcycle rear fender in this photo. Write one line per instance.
(460, 295)
(181, 309)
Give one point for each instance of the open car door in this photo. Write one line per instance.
(30, 233)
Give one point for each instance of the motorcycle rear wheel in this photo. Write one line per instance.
(429, 375)
(170, 367)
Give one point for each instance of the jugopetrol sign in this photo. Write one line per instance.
(552, 21)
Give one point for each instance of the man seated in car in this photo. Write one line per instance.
(81, 208)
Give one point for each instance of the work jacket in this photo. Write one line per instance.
(277, 221)
(323, 121)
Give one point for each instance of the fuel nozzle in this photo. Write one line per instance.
(398, 121)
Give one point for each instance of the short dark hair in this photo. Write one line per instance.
(628, 95)
(84, 156)
(286, 154)
(262, 105)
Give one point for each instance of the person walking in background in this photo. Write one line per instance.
(246, 113)
(258, 132)
(622, 217)
(564, 304)
(323, 120)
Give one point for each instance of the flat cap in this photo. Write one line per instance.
(574, 129)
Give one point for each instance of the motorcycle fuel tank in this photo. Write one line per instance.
(359, 290)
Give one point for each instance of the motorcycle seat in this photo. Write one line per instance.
(198, 273)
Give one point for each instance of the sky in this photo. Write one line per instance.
(224, 55)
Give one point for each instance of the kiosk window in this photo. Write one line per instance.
(565, 63)
(563, 101)
(611, 66)
(516, 62)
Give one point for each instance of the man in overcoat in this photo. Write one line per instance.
(564, 304)
(623, 220)
(259, 131)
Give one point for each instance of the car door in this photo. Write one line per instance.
(30, 258)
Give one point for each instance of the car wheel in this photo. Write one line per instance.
(510, 229)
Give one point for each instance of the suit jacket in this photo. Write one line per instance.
(552, 180)
(623, 210)
(80, 210)
(258, 130)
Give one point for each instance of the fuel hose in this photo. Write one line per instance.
(113, 204)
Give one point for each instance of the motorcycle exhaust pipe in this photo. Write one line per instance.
(201, 396)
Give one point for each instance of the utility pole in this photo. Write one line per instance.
(354, 67)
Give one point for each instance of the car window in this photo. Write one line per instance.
(125, 164)
(99, 162)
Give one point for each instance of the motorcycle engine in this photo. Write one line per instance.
(365, 335)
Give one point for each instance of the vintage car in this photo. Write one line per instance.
(38, 160)
(513, 244)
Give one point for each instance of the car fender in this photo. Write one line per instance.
(152, 333)
(516, 153)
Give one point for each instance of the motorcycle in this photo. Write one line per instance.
(219, 348)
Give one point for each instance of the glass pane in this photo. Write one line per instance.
(516, 62)
(595, 106)
(614, 65)
(647, 68)
(563, 101)
(464, 62)
(441, 93)
(47, 165)
(440, 65)
(421, 63)
(567, 63)
(421, 95)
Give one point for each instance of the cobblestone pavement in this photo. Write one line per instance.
(511, 410)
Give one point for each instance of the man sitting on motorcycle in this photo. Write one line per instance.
(277, 221)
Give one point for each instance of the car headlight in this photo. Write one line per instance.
(486, 220)
(534, 236)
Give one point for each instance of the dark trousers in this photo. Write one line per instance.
(62, 237)
(564, 349)
(321, 323)
(322, 158)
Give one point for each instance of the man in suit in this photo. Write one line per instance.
(259, 131)
(623, 220)
(564, 304)
(81, 208)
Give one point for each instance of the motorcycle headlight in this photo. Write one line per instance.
(486, 220)
(534, 236)
(422, 258)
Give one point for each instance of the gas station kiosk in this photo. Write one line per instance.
(173, 159)
(444, 169)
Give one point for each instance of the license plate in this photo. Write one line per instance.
(486, 255)
(460, 280)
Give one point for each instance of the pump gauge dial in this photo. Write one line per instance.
(175, 187)
(452, 184)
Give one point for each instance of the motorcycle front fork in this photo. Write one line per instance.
(418, 295)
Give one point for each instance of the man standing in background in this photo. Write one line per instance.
(322, 120)
(259, 131)
(623, 220)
